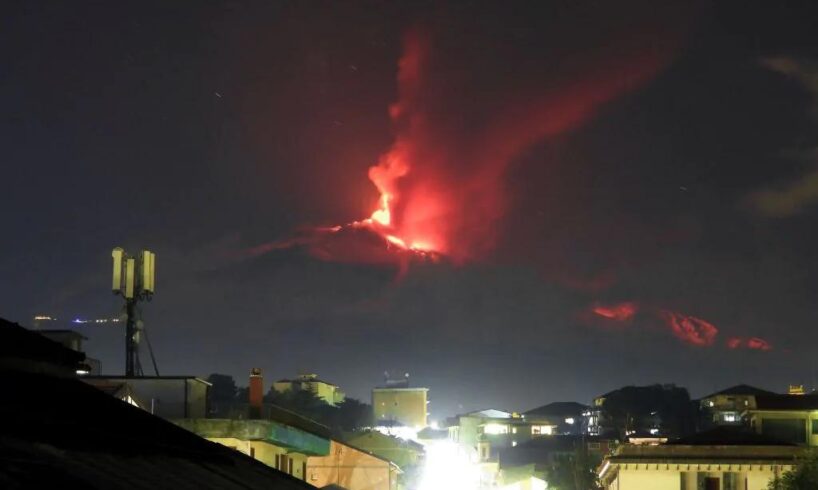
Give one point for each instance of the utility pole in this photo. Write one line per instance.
(133, 279)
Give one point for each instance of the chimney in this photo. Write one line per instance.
(256, 393)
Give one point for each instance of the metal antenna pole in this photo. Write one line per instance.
(131, 352)
(133, 279)
(150, 349)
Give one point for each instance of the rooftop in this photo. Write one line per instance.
(491, 413)
(557, 409)
(728, 436)
(741, 390)
(787, 402)
(305, 380)
(68, 433)
(31, 347)
(144, 378)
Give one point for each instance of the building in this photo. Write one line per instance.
(530, 461)
(296, 445)
(482, 434)
(27, 351)
(488, 431)
(405, 453)
(73, 340)
(725, 407)
(658, 410)
(725, 458)
(67, 434)
(401, 405)
(351, 468)
(790, 418)
(324, 390)
(169, 397)
(557, 418)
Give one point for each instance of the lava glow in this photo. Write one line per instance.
(440, 184)
(690, 329)
(621, 312)
(754, 343)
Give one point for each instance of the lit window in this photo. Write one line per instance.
(513, 443)
(710, 403)
(542, 430)
(569, 420)
(513, 430)
(495, 429)
(729, 417)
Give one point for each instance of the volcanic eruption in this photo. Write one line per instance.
(440, 184)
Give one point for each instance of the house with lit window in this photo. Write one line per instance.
(483, 433)
(556, 418)
(725, 458)
(663, 410)
(725, 407)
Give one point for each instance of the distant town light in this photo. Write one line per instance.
(569, 420)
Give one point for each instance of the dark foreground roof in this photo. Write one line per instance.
(728, 436)
(17, 343)
(62, 431)
(557, 409)
(787, 402)
(741, 390)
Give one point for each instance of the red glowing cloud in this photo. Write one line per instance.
(734, 342)
(621, 312)
(755, 343)
(758, 344)
(690, 329)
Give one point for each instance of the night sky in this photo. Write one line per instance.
(657, 165)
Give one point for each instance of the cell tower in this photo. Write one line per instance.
(133, 279)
